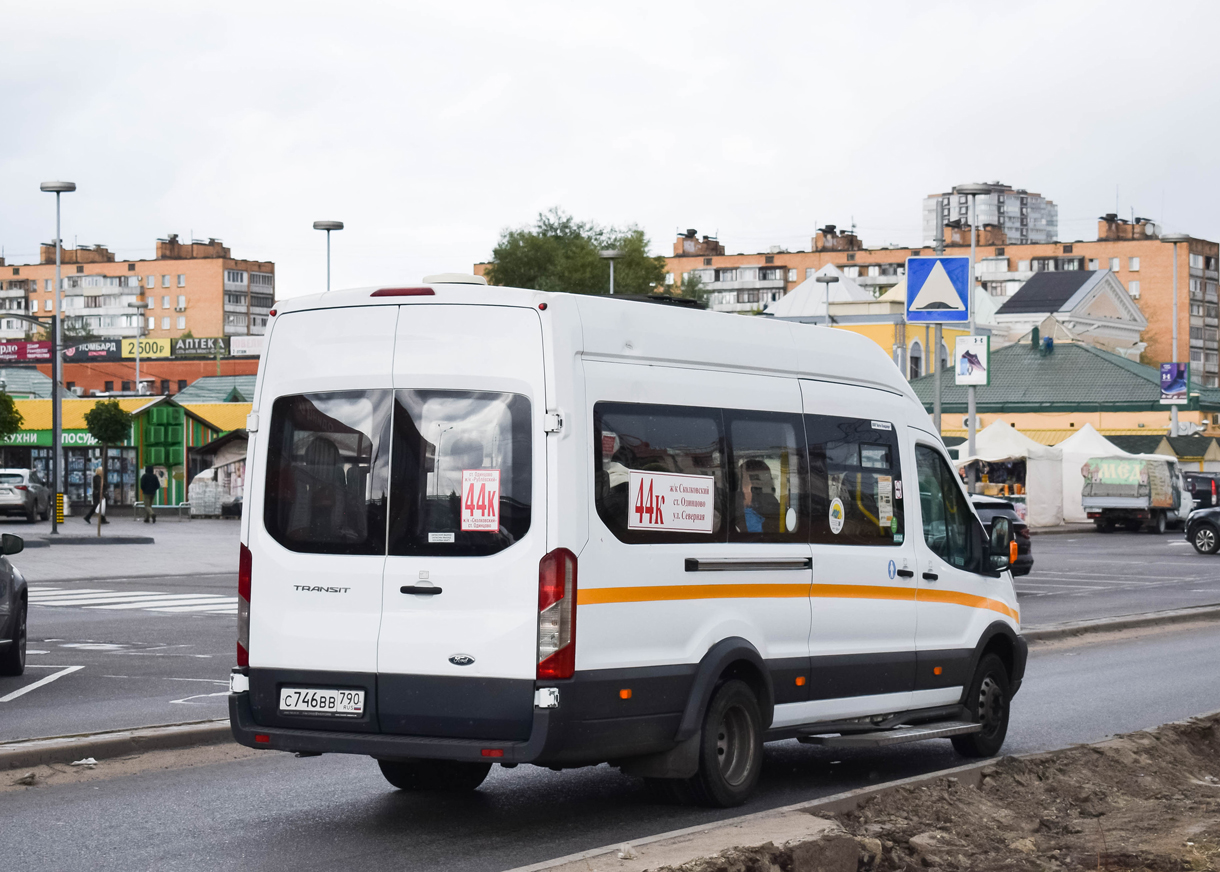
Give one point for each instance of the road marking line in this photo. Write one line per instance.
(101, 598)
(210, 607)
(152, 605)
(187, 699)
(65, 670)
(65, 593)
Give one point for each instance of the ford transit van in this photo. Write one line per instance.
(491, 525)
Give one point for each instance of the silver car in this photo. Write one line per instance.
(23, 492)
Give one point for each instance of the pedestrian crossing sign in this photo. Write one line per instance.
(938, 290)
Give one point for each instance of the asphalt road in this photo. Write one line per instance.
(280, 812)
(144, 664)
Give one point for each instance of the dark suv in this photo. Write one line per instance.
(1203, 530)
(1204, 487)
(991, 507)
(14, 606)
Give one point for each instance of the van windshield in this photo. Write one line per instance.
(461, 474)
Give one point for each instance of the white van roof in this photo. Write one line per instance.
(628, 330)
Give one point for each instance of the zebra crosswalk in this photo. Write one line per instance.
(145, 600)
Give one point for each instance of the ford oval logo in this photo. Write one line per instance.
(461, 660)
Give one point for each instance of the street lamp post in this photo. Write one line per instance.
(971, 409)
(826, 282)
(328, 226)
(610, 254)
(1175, 238)
(57, 188)
(139, 306)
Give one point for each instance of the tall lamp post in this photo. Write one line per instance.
(139, 306)
(1175, 238)
(826, 282)
(57, 474)
(610, 254)
(328, 226)
(971, 410)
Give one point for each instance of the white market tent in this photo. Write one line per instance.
(808, 299)
(1078, 448)
(1001, 443)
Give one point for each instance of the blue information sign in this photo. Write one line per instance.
(938, 290)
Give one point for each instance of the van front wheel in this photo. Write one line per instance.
(437, 776)
(988, 701)
(730, 749)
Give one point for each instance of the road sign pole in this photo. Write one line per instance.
(940, 249)
(971, 411)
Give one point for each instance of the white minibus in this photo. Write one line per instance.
(491, 525)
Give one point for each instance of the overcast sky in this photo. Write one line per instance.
(428, 128)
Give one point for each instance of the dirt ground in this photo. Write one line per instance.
(1143, 801)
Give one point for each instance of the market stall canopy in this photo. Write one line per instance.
(1082, 445)
(808, 299)
(1002, 443)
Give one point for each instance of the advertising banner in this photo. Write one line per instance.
(973, 358)
(99, 349)
(1175, 384)
(190, 346)
(245, 346)
(25, 352)
(148, 348)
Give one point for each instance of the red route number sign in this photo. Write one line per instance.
(668, 501)
(480, 500)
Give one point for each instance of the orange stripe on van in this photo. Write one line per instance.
(861, 591)
(953, 597)
(586, 596)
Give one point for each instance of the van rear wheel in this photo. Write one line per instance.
(730, 748)
(435, 776)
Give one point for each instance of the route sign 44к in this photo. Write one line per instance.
(938, 290)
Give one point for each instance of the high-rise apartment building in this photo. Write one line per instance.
(195, 287)
(1022, 215)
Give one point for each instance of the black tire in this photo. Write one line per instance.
(1105, 526)
(988, 701)
(1159, 523)
(435, 776)
(730, 748)
(1205, 538)
(31, 514)
(45, 514)
(1134, 526)
(12, 661)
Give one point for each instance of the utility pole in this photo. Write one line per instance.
(940, 250)
(57, 472)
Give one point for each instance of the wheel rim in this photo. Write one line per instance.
(991, 706)
(735, 746)
(1205, 539)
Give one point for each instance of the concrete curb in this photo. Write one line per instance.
(1071, 629)
(98, 540)
(115, 743)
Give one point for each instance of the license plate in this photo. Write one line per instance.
(315, 701)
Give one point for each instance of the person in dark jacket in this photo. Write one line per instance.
(98, 493)
(149, 485)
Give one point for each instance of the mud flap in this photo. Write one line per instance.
(681, 762)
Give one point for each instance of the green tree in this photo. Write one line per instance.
(560, 253)
(692, 288)
(10, 418)
(109, 424)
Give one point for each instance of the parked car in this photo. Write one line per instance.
(1204, 487)
(23, 492)
(988, 508)
(1134, 492)
(1203, 530)
(14, 605)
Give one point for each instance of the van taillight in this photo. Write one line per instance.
(243, 607)
(557, 615)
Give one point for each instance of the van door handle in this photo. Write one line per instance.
(930, 576)
(423, 589)
(907, 573)
(746, 564)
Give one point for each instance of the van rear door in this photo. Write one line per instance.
(457, 651)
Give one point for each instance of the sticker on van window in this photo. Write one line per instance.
(442, 538)
(898, 489)
(885, 500)
(668, 501)
(480, 500)
(882, 425)
(837, 516)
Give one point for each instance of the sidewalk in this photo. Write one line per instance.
(180, 547)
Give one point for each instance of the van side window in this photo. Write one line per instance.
(682, 441)
(855, 479)
(947, 519)
(326, 472)
(766, 496)
(462, 472)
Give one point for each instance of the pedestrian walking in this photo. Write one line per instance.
(149, 485)
(99, 490)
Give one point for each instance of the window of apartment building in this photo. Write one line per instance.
(152, 323)
(770, 275)
(998, 252)
(1211, 290)
(669, 279)
(726, 275)
(809, 271)
(46, 285)
(80, 269)
(71, 385)
(181, 322)
(1211, 310)
(182, 384)
(1209, 263)
(1196, 261)
(131, 267)
(164, 302)
(961, 210)
(749, 296)
(16, 270)
(770, 258)
(126, 386)
(1133, 264)
(792, 275)
(150, 281)
(1212, 359)
(1043, 264)
(1196, 334)
(1067, 249)
(182, 298)
(707, 261)
(1114, 264)
(1022, 266)
(165, 386)
(181, 280)
(852, 272)
(1196, 355)
(34, 306)
(165, 323)
(851, 256)
(1133, 288)
(109, 386)
(1093, 263)
(1196, 289)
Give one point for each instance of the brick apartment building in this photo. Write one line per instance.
(1133, 251)
(195, 287)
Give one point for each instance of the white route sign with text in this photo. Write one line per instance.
(480, 500)
(669, 501)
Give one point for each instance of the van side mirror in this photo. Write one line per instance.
(10, 544)
(998, 551)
